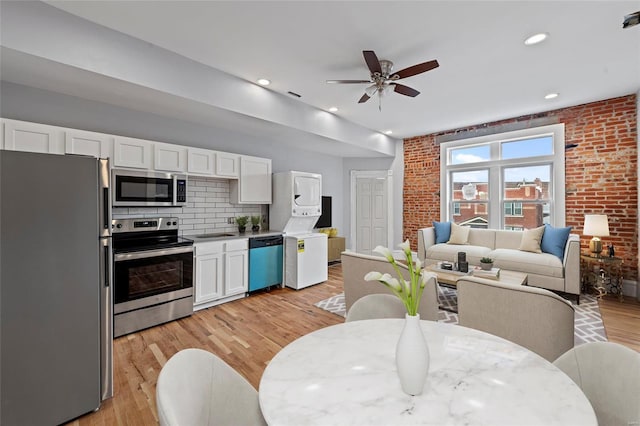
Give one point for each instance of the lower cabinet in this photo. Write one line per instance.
(221, 271)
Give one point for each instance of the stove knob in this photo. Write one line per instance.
(175, 223)
(168, 223)
(119, 226)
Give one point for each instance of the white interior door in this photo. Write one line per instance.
(371, 211)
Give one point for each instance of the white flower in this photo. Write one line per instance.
(393, 282)
(408, 291)
(385, 252)
(373, 276)
(405, 247)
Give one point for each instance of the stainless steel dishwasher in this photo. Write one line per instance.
(265, 262)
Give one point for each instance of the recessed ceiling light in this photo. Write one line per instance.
(333, 109)
(551, 95)
(535, 39)
(264, 82)
(388, 132)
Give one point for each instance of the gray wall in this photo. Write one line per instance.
(31, 104)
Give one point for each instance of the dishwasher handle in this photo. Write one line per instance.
(258, 242)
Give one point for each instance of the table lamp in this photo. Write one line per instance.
(597, 226)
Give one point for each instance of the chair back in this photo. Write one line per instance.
(609, 375)
(535, 318)
(195, 387)
(374, 306)
(355, 266)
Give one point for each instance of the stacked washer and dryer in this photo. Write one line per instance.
(295, 209)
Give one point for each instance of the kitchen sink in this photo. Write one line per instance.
(214, 235)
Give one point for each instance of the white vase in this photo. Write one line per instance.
(412, 356)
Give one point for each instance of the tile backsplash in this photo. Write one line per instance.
(207, 210)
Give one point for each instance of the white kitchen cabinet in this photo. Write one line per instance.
(134, 153)
(87, 143)
(201, 162)
(254, 182)
(32, 137)
(208, 282)
(236, 267)
(221, 271)
(169, 157)
(227, 165)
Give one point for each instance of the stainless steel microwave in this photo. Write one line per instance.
(145, 189)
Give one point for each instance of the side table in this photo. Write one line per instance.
(335, 246)
(600, 272)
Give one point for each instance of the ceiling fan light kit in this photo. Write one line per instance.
(383, 79)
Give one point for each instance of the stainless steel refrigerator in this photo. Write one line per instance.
(55, 287)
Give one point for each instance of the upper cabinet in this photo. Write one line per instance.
(134, 153)
(32, 137)
(250, 176)
(169, 157)
(227, 164)
(206, 162)
(88, 143)
(201, 162)
(254, 183)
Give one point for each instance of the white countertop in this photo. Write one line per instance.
(202, 238)
(346, 375)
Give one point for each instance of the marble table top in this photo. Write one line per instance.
(346, 375)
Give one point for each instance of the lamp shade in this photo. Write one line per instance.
(596, 225)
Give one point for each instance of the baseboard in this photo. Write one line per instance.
(630, 288)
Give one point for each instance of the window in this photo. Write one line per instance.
(511, 180)
(512, 209)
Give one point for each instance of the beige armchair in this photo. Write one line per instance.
(355, 266)
(609, 375)
(535, 318)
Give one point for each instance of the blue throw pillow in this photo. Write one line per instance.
(443, 231)
(554, 240)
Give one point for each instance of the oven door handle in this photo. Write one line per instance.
(151, 253)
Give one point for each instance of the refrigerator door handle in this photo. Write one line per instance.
(106, 320)
(105, 201)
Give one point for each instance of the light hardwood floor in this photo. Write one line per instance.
(247, 334)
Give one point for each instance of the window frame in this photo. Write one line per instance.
(496, 167)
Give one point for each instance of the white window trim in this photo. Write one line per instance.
(557, 202)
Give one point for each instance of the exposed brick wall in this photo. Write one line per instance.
(601, 173)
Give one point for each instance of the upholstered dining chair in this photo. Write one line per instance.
(373, 306)
(609, 375)
(195, 387)
(535, 318)
(355, 266)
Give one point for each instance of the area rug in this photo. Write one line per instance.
(588, 322)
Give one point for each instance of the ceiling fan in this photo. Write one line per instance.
(382, 78)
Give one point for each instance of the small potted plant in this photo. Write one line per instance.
(255, 223)
(486, 263)
(242, 223)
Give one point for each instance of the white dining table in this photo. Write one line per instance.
(346, 375)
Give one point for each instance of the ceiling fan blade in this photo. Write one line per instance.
(348, 81)
(416, 69)
(405, 90)
(364, 98)
(372, 61)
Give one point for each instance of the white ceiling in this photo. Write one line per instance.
(486, 73)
